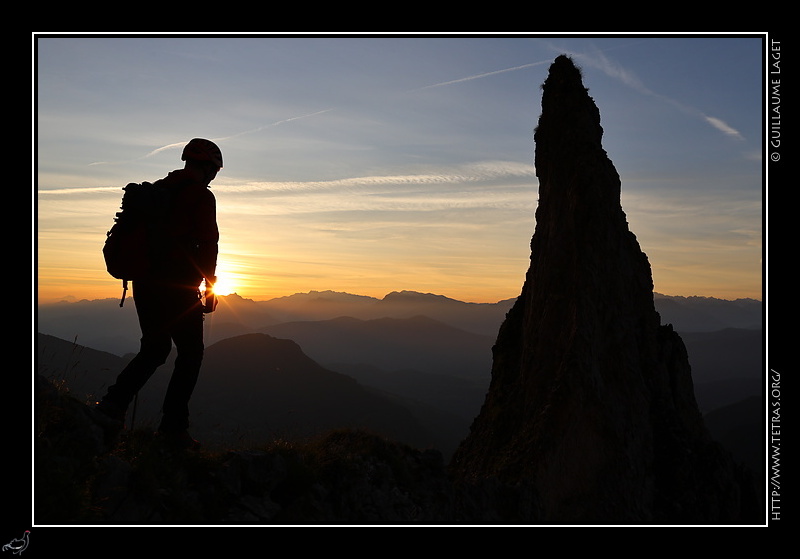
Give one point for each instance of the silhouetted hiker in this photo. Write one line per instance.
(168, 302)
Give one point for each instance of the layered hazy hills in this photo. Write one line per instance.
(705, 314)
(103, 325)
(254, 388)
(417, 343)
(418, 333)
(263, 388)
(413, 364)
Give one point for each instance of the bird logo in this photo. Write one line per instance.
(17, 546)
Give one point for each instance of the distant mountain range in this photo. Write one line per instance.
(706, 314)
(417, 365)
(101, 324)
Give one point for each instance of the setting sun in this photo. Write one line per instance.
(223, 286)
(229, 280)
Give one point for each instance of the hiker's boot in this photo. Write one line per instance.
(111, 418)
(178, 440)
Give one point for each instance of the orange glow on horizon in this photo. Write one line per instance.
(75, 291)
(276, 276)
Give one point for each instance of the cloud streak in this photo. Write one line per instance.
(601, 62)
(723, 127)
(484, 75)
(276, 123)
(179, 145)
(475, 173)
(317, 113)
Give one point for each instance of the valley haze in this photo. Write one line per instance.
(101, 324)
(426, 356)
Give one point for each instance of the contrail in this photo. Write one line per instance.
(253, 131)
(477, 76)
(468, 78)
(601, 62)
(164, 148)
(613, 70)
(181, 144)
(276, 123)
(279, 122)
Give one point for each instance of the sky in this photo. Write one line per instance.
(370, 164)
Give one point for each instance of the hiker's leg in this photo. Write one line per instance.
(154, 348)
(188, 337)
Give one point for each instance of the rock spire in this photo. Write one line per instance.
(591, 409)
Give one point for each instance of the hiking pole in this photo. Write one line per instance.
(124, 292)
(133, 414)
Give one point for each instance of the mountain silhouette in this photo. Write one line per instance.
(734, 427)
(591, 411)
(102, 325)
(418, 343)
(269, 388)
(727, 366)
(706, 314)
(252, 388)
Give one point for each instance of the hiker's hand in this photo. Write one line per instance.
(209, 301)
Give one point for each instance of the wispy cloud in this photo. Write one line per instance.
(472, 173)
(612, 69)
(179, 145)
(479, 173)
(276, 123)
(80, 190)
(165, 148)
(723, 127)
(483, 75)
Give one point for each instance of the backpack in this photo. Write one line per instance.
(137, 238)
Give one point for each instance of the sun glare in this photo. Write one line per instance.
(229, 278)
(223, 286)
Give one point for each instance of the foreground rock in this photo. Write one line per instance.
(342, 477)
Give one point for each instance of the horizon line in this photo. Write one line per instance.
(74, 299)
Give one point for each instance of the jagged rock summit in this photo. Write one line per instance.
(591, 411)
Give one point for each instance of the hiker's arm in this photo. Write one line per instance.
(208, 238)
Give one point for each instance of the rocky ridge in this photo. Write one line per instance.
(342, 477)
(591, 407)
